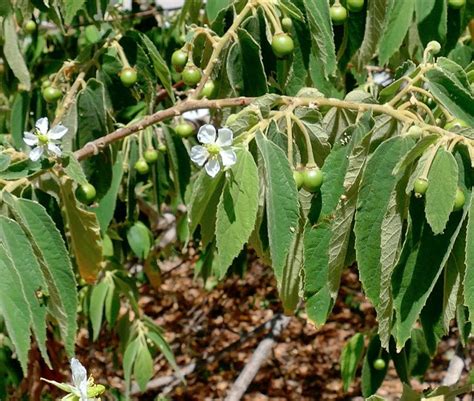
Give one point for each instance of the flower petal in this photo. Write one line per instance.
(30, 139)
(54, 149)
(57, 132)
(42, 125)
(36, 153)
(228, 156)
(207, 134)
(199, 155)
(212, 167)
(79, 373)
(225, 137)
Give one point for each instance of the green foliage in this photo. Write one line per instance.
(322, 167)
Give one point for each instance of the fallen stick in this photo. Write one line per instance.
(261, 354)
(172, 380)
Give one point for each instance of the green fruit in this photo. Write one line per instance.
(191, 75)
(128, 76)
(298, 177)
(162, 147)
(415, 131)
(30, 26)
(455, 123)
(338, 14)
(312, 179)
(459, 200)
(142, 166)
(430, 102)
(287, 24)
(456, 3)
(184, 129)
(282, 45)
(420, 187)
(85, 193)
(179, 60)
(355, 5)
(45, 84)
(379, 364)
(51, 94)
(151, 156)
(208, 89)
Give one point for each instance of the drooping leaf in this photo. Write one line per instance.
(350, 358)
(469, 277)
(84, 232)
(54, 260)
(237, 210)
(140, 239)
(371, 377)
(281, 203)
(96, 308)
(443, 182)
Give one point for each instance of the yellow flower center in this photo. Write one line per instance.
(213, 149)
(42, 139)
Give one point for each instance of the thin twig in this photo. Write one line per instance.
(261, 354)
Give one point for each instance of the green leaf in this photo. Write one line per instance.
(281, 203)
(12, 52)
(159, 65)
(14, 308)
(443, 182)
(398, 20)
(30, 276)
(71, 8)
(106, 208)
(96, 308)
(143, 367)
(84, 232)
(432, 20)
(450, 90)
(128, 361)
(253, 72)
(322, 34)
(74, 169)
(469, 277)
(422, 259)
(178, 157)
(204, 189)
(374, 196)
(350, 358)
(19, 115)
(237, 210)
(213, 8)
(91, 115)
(418, 149)
(376, 14)
(139, 239)
(56, 265)
(372, 378)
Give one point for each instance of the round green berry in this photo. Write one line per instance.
(191, 75)
(338, 14)
(142, 166)
(355, 6)
(312, 179)
(287, 24)
(184, 129)
(150, 156)
(51, 94)
(85, 193)
(379, 364)
(420, 186)
(282, 45)
(128, 76)
(459, 200)
(298, 176)
(30, 26)
(208, 89)
(456, 4)
(179, 60)
(162, 147)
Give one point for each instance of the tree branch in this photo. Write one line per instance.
(95, 146)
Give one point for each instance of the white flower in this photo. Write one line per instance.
(42, 139)
(79, 379)
(214, 151)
